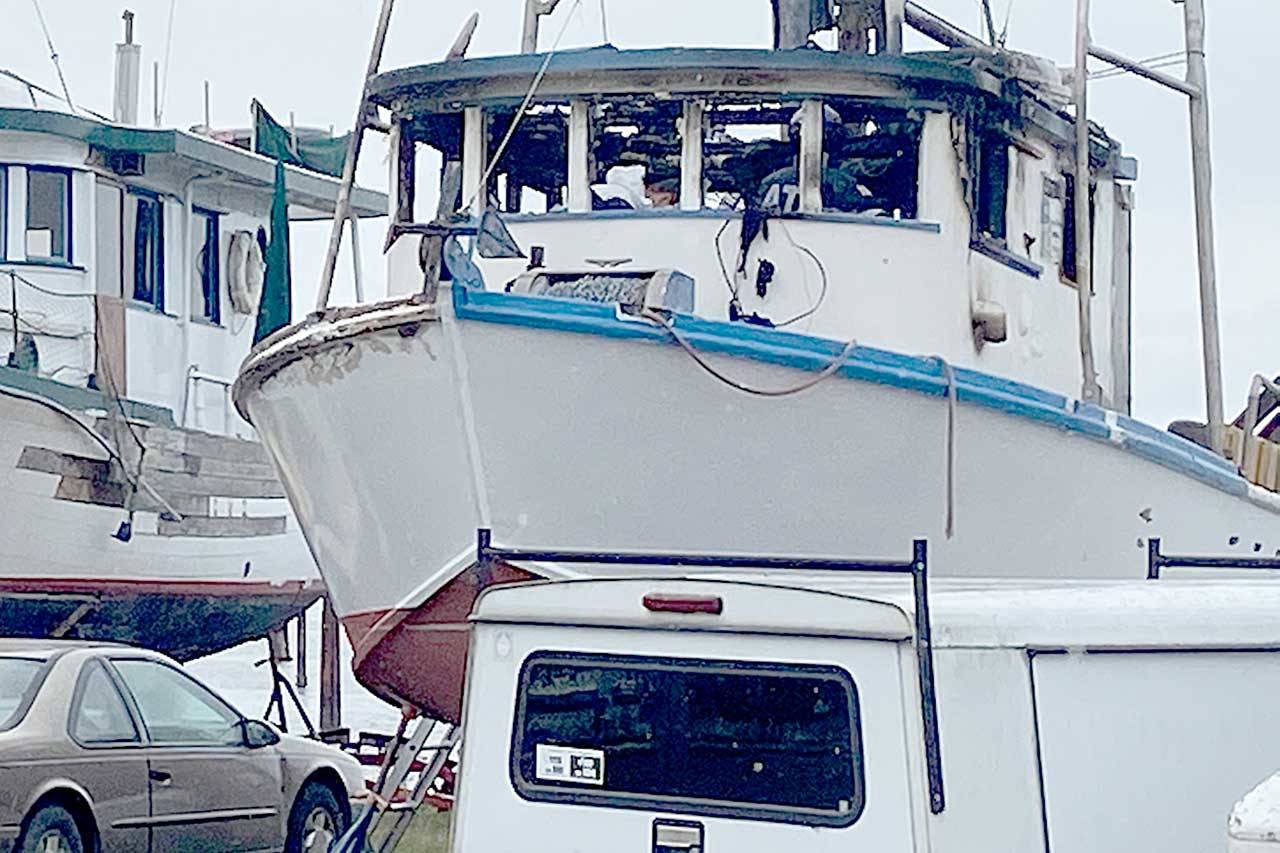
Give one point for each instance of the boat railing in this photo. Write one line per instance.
(1158, 561)
(34, 312)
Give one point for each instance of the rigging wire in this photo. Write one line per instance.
(524, 105)
(1164, 60)
(168, 48)
(53, 54)
(668, 325)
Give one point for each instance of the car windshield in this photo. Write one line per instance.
(19, 678)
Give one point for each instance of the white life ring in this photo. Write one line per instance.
(245, 270)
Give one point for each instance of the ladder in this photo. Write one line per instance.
(383, 822)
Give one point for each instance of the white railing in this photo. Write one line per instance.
(61, 325)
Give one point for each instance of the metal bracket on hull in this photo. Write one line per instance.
(917, 567)
(1157, 561)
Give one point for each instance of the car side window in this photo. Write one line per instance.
(175, 708)
(99, 716)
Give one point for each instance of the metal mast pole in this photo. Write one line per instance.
(1202, 172)
(342, 208)
(1084, 241)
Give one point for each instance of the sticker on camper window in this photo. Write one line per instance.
(570, 764)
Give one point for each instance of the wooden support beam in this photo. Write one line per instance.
(70, 622)
(475, 159)
(811, 156)
(692, 126)
(579, 156)
(330, 671)
(300, 676)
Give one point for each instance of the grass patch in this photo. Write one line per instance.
(428, 833)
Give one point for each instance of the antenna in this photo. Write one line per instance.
(53, 54)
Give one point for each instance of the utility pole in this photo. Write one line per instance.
(1202, 174)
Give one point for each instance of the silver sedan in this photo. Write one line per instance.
(111, 748)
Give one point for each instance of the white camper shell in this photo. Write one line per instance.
(756, 712)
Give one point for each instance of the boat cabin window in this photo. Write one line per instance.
(992, 188)
(1068, 268)
(770, 742)
(144, 214)
(532, 174)
(869, 157)
(207, 267)
(48, 234)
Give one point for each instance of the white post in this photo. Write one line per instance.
(811, 156)
(691, 155)
(475, 156)
(890, 41)
(1202, 172)
(1084, 242)
(579, 200)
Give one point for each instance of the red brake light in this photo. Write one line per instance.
(658, 603)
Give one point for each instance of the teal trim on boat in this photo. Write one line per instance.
(79, 399)
(925, 375)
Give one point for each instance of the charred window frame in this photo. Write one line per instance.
(991, 202)
(1068, 266)
(693, 760)
(866, 154)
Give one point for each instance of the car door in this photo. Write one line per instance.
(209, 791)
(111, 763)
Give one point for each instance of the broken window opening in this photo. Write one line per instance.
(1068, 266)
(532, 175)
(870, 157)
(992, 170)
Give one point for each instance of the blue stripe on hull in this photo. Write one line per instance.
(924, 375)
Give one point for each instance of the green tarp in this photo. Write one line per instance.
(275, 308)
(310, 150)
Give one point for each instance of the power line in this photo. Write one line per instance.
(53, 54)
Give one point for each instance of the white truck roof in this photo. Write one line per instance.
(998, 613)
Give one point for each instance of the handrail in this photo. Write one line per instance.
(917, 567)
(1156, 561)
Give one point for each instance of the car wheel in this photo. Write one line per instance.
(315, 821)
(51, 830)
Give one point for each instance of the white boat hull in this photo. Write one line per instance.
(400, 429)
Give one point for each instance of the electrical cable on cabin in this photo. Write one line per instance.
(668, 325)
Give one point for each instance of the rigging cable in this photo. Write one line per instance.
(168, 49)
(53, 54)
(668, 325)
(524, 105)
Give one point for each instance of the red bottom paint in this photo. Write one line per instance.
(419, 657)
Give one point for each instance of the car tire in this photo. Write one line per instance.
(315, 808)
(51, 824)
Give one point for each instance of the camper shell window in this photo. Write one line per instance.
(756, 741)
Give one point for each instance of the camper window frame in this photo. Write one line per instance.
(784, 814)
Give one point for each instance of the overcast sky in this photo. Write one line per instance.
(307, 56)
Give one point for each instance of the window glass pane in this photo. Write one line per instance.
(688, 735)
(207, 267)
(148, 252)
(101, 716)
(993, 187)
(177, 709)
(18, 678)
(47, 214)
